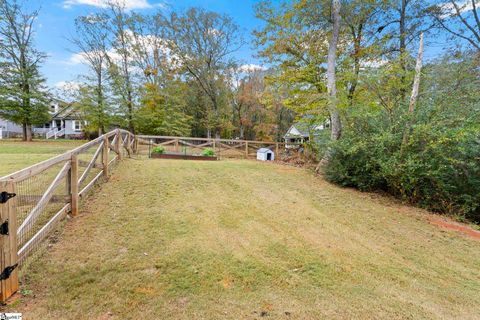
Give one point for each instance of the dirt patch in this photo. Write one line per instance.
(451, 225)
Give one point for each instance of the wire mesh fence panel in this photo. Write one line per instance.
(48, 191)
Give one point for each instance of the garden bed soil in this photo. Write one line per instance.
(181, 156)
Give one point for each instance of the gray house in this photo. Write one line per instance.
(301, 132)
(66, 122)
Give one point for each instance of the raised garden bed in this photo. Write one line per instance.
(182, 156)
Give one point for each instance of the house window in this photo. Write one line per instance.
(77, 125)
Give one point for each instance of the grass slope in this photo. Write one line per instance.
(16, 154)
(246, 240)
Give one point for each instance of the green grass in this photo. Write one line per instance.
(247, 240)
(16, 154)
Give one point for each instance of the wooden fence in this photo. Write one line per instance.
(34, 200)
(223, 148)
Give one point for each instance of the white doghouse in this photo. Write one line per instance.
(265, 154)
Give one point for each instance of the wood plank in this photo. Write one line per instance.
(90, 185)
(74, 184)
(226, 146)
(84, 164)
(105, 150)
(91, 164)
(118, 150)
(8, 243)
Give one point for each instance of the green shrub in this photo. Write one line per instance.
(208, 152)
(158, 150)
(438, 169)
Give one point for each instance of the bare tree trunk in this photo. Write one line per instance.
(331, 87)
(403, 46)
(416, 85)
(416, 82)
(29, 132)
(24, 131)
(336, 124)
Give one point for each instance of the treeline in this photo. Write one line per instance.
(174, 74)
(164, 74)
(398, 124)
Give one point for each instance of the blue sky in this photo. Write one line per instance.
(56, 24)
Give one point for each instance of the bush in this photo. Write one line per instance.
(208, 152)
(158, 150)
(438, 169)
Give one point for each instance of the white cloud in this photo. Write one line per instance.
(75, 59)
(128, 4)
(67, 85)
(374, 63)
(251, 67)
(449, 10)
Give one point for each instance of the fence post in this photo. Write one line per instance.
(74, 184)
(117, 144)
(246, 149)
(105, 156)
(276, 150)
(176, 145)
(128, 145)
(8, 243)
(135, 144)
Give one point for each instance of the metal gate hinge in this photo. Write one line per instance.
(5, 196)
(7, 272)
(4, 228)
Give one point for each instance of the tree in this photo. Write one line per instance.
(23, 98)
(120, 59)
(405, 20)
(336, 124)
(459, 18)
(202, 42)
(91, 41)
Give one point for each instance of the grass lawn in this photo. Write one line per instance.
(16, 154)
(168, 239)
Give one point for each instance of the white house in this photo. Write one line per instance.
(66, 122)
(301, 132)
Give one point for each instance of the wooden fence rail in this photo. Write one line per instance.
(223, 148)
(34, 200)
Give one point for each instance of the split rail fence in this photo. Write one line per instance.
(223, 148)
(33, 201)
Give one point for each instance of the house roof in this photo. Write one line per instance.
(264, 150)
(67, 112)
(301, 130)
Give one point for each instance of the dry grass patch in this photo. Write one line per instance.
(170, 239)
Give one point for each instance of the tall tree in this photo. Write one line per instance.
(23, 99)
(203, 42)
(91, 42)
(121, 58)
(336, 124)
